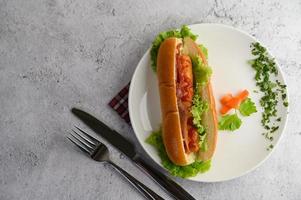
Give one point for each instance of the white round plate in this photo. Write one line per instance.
(238, 152)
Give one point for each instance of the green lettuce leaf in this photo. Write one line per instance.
(199, 106)
(229, 122)
(155, 139)
(204, 50)
(184, 32)
(204, 146)
(201, 72)
(247, 107)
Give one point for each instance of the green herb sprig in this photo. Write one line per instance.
(265, 68)
(232, 122)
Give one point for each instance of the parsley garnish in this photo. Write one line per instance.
(229, 122)
(247, 107)
(233, 122)
(265, 68)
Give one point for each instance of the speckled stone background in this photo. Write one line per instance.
(55, 54)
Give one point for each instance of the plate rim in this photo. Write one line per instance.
(284, 123)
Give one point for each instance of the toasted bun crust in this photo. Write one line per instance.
(171, 127)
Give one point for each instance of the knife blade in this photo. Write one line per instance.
(128, 149)
(106, 132)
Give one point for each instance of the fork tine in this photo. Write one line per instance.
(81, 147)
(84, 139)
(94, 140)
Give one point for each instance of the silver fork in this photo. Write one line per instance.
(99, 152)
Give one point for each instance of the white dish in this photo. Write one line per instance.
(238, 152)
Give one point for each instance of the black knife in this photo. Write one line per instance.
(128, 149)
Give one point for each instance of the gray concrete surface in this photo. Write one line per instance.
(55, 54)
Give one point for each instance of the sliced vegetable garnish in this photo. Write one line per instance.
(247, 107)
(226, 98)
(229, 122)
(225, 109)
(239, 102)
(229, 102)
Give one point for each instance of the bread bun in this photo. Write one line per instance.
(173, 134)
(171, 126)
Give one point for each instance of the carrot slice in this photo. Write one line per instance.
(226, 98)
(233, 103)
(228, 101)
(243, 95)
(225, 109)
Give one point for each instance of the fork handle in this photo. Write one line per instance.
(147, 192)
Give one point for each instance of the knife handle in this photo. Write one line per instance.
(167, 183)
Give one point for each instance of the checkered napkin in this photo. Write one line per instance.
(120, 104)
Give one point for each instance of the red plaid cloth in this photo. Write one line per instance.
(120, 104)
